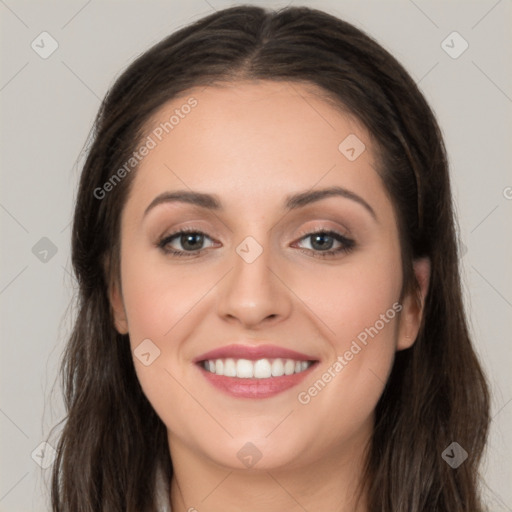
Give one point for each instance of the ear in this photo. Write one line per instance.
(118, 311)
(413, 306)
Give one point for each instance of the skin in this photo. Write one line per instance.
(252, 144)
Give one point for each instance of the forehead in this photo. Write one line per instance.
(287, 117)
(248, 140)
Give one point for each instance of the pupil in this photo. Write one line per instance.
(188, 241)
(186, 238)
(322, 238)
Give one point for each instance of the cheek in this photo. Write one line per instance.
(159, 305)
(156, 295)
(353, 296)
(360, 306)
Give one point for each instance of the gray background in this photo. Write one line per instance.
(48, 106)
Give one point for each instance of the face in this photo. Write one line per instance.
(274, 319)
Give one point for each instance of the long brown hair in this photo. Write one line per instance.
(112, 441)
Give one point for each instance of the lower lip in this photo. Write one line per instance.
(255, 388)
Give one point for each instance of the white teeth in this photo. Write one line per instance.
(289, 367)
(229, 368)
(260, 369)
(277, 368)
(244, 368)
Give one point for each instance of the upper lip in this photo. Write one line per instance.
(253, 353)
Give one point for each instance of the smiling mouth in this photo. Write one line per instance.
(258, 369)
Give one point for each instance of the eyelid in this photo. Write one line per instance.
(175, 234)
(302, 232)
(346, 244)
(322, 229)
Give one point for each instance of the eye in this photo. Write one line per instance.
(191, 241)
(322, 242)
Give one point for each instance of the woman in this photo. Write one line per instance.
(270, 313)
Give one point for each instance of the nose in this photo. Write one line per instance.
(254, 293)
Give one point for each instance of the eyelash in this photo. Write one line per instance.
(347, 243)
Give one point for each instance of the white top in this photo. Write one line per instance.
(162, 492)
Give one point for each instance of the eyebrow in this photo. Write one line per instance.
(292, 202)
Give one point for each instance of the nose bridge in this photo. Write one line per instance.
(252, 293)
